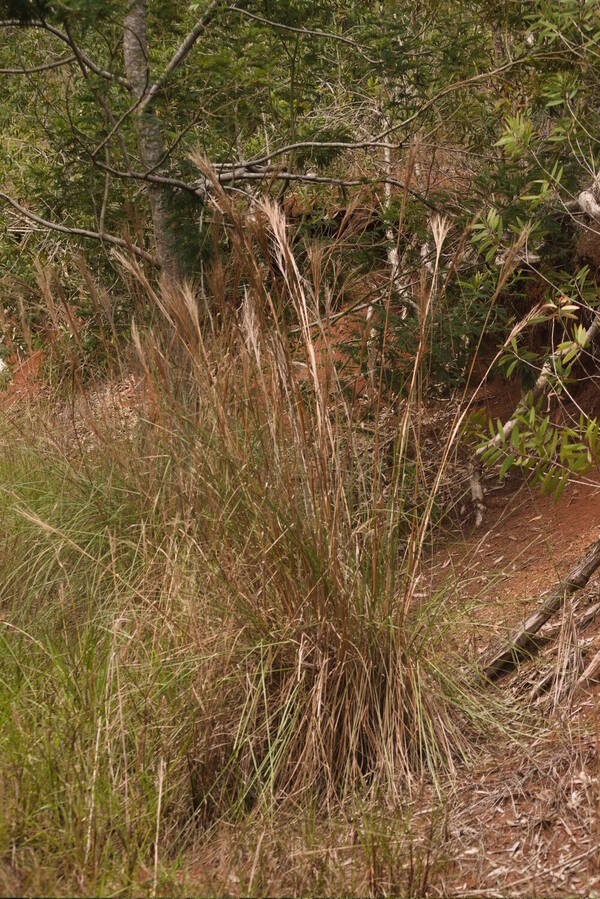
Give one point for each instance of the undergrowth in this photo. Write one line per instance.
(210, 621)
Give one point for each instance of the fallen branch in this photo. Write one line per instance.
(588, 616)
(522, 641)
(543, 686)
(589, 674)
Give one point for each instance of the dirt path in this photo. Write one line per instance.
(528, 822)
(526, 544)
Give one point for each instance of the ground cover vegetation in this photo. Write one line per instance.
(260, 263)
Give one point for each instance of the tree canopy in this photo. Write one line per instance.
(123, 120)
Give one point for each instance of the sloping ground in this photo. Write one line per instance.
(528, 821)
(524, 822)
(526, 544)
(528, 824)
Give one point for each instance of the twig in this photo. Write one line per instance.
(43, 68)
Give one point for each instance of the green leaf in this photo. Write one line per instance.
(508, 463)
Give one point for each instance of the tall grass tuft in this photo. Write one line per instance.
(210, 606)
(310, 532)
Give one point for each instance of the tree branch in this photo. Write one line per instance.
(45, 26)
(265, 175)
(43, 68)
(80, 232)
(308, 32)
(278, 175)
(379, 140)
(180, 54)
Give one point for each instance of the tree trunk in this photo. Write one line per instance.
(149, 135)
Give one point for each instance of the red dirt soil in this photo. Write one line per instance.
(24, 381)
(527, 541)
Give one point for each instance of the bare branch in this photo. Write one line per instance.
(309, 145)
(225, 178)
(379, 140)
(80, 232)
(308, 32)
(66, 60)
(89, 63)
(278, 175)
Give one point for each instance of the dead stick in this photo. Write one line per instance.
(590, 672)
(523, 640)
(587, 617)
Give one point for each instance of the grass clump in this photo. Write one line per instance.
(209, 612)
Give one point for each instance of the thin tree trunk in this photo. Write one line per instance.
(148, 133)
